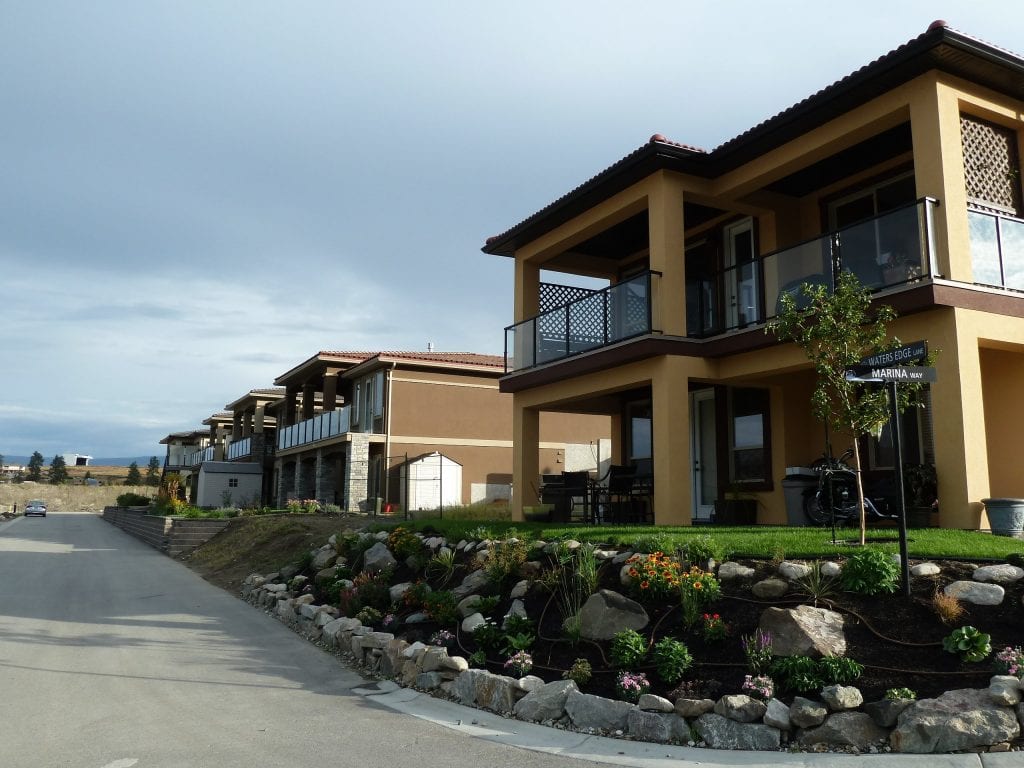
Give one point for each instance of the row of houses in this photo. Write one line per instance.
(641, 299)
(372, 430)
(906, 172)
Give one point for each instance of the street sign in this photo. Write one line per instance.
(903, 374)
(914, 352)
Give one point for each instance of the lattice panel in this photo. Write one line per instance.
(553, 296)
(991, 165)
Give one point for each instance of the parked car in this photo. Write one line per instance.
(35, 507)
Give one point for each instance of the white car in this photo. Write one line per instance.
(35, 507)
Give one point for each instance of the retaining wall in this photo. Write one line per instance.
(172, 535)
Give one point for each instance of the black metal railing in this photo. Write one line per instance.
(602, 317)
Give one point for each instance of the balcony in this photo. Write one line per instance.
(618, 312)
(997, 249)
(240, 448)
(198, 457)
(322, 427)
(887, 251)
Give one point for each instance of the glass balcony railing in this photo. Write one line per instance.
(240, 448)
(612, 314)
(997, 250)
(198, 457)
(326, 425)
(893, 249)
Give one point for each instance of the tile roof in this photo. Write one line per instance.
(451, 358)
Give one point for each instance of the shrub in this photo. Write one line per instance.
(519, 641)
(816, 586)
(504, 558)
(797, 673)
(519, 664)
(489, 637)
(653, 577)
(948, 608)
(895, 694)
(442, 607)
(700, 549)
(714, 628)
(516, 625)
(404, 544)
(477, 659)
(757, 648)
(671, 659)
(441, 567)
(761, 687)
(697, 588)
(839, 670)
(970, 643)
(628, 649)
(486, 605)
(130, 499)
(415, 597)
(1009, 661)
(870, 572)
(374, 590)
(580, 672)
(630, 686)
(369, 616)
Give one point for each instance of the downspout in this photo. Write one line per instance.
(387, 434)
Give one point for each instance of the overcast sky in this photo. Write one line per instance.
(196, 196)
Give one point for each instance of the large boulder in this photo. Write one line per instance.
(976, 593)
(959, 719)
(741, 708)
(722, 733)
(804, 631)
(324, 558)
(474, 582)
(1001, 573)
(479, 687)
(606, 613)
(656, 727)
(546, 702)
(848, 729)
(378, 558)
(589, 711)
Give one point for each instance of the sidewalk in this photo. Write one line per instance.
(481, 724)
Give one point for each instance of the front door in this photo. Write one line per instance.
(705, 469)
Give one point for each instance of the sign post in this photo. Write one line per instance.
(891, 368)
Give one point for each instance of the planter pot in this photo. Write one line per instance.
(1005, 516)
(919, 517)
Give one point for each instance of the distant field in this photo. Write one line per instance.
(92, 498)
(114, 475)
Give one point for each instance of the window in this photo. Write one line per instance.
(356, 403)
(749, 437)
(232, 482)
(378, 392)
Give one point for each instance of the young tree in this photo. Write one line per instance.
(35, 467)
(58, 470)
(134, 476)
(836, 330)
(153, 471)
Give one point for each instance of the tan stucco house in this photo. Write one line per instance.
(906, 172)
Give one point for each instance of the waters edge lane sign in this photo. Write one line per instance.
(914, 352)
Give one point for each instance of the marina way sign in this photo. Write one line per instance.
(908, 374)
(914, 352)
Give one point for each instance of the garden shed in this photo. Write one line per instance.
(430, 481)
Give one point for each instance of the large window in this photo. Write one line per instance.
(749, 441)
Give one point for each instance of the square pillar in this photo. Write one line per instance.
(525, 458)
(308, 401)
(670, 427)
(667, 253)
(330, 391)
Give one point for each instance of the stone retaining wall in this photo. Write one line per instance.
(173, 535)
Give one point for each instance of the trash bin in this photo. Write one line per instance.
(795, 486)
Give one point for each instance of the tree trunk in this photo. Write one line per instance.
(860, 493)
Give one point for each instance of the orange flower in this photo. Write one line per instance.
(645, 584)
(633, 572)
(697, 585)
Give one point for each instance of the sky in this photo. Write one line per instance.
(197, 196)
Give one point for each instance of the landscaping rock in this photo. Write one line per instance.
(518, 609)
(589, 711)
(693, 707)
(886, 712)
(474, 582)
(428, 681)
(621, 557)
(467, 605)
(842, 697)
(520, 589)
(959, 719)
(377, 558)
(1003, 573)
(925, 569)
(722, 733)
(324, 557)
(804, 713)
(777, 715)
(769, 589)
(849, 729)
(606, 613)
(324, 576)
(804, 631)
(655, 727)
(484, 689)
(831, 570)
(397, 591)
(741, 708)
(546, 702)
(793, 571)
(472, 621)
(529, 683)
(976, 593)
(650, 703)
(730, 571)
(1005, 690)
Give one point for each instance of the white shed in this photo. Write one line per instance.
(430, 482)
(226, 483)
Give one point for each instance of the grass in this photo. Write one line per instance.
(756, 541)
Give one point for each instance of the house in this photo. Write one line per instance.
(181, 450)
(253, 439)
(906, 172)
(353, 426)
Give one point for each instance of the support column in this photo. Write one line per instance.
(961, 454)
(939, 173)
(357, 465)
(289, 406)
(326, 477)
(259, 416)
(667, 254)
(525, 458)
(670, 417)
(330, 391)
(308, 401)
(236, 426)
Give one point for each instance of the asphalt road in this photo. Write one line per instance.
(114, 656)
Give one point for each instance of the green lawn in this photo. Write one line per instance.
(755, 541)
